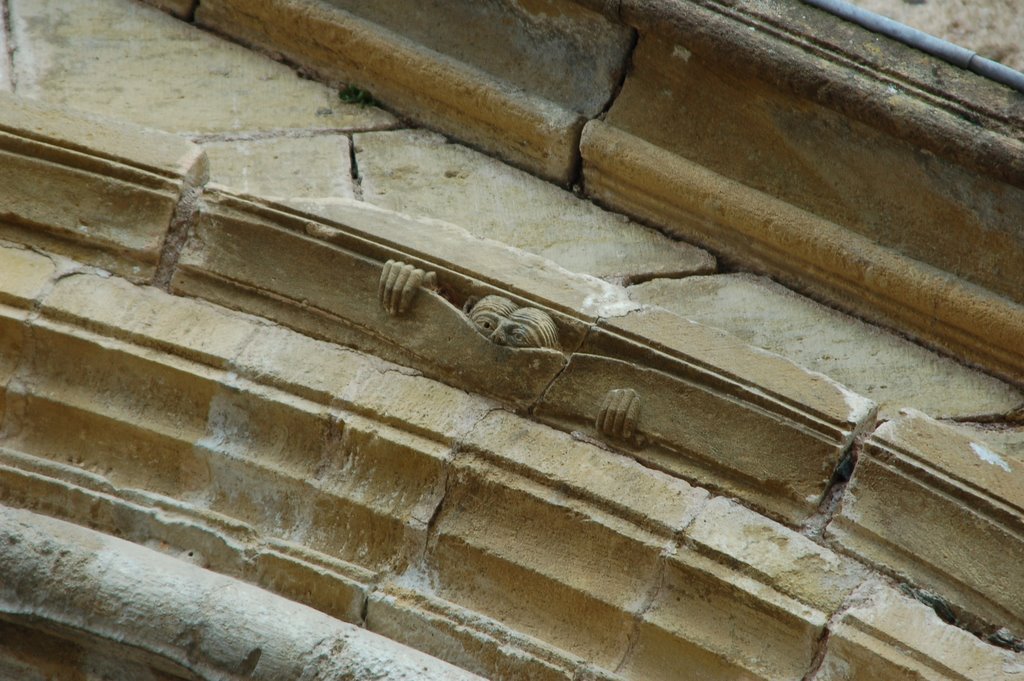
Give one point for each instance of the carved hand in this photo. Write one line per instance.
(399, 283)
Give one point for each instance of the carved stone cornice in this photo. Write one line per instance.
(876, 178)
(932, 505)
(100, 192)
(787, 428)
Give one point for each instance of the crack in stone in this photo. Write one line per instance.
(286, 133)
(357, 180)
(633, 637)
(186, 213)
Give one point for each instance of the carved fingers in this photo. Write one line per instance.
(619, 414)
(399, 284)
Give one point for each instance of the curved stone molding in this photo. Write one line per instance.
(386, 499)
(767, 132)
(934, 506)
(178, 618)
(807, 251)
(501, 87)
(101, 192)
(796, 424)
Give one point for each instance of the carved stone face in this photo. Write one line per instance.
(503, 323)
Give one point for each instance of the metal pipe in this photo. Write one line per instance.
(943, 49)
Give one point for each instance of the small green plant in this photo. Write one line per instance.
(355, 95)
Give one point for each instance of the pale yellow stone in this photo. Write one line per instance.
(131, 62)
(874, 362)
(608, 479)
(23, 275)
(777, 555)
(422, 174)
(152, 317)
(177, 616)
(294, 167)
(941, 508)
(885, 635)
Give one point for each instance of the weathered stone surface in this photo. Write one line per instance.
(497, 533)
(706, 621)
(775, 555)
(607, 479)
(23, 275)
(6, 70)
(803, 250)
(421, 173)
(459, 636)
(342, 298)
(885, 635)
(942, 509)
(146, 67)
(178, 616)
(992, 28)
(787, 427)
(822, 162)
(876, 363)
(485, 86)
(148, 316)
(180, 8)
(294, 167)
(105, 194)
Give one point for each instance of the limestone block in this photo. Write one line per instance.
(822, 162)
(806, 202)
(296, 167)
(421, 173)
(170, 612)
(115, 406)
(707, 622)
(875, 363)
(714, 410)
(885, 635)
(462, 638)
(23, 275)
(148, 68)
(942, 509)
(101, 193)
(542, 564)
(148, 316)
(500, 87)
(649, 498)
(775, 555)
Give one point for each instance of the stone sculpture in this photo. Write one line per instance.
(505, 323)
(399, 284)
(619, 415)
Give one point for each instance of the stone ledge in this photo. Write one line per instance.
(322, 504)
(496, 92)
(180, 617)
(802, 422)
(942, 510)
(101, 192)
(804, 250)
(884, 635)
(838, 111)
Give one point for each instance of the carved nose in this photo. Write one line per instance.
(502, 334)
